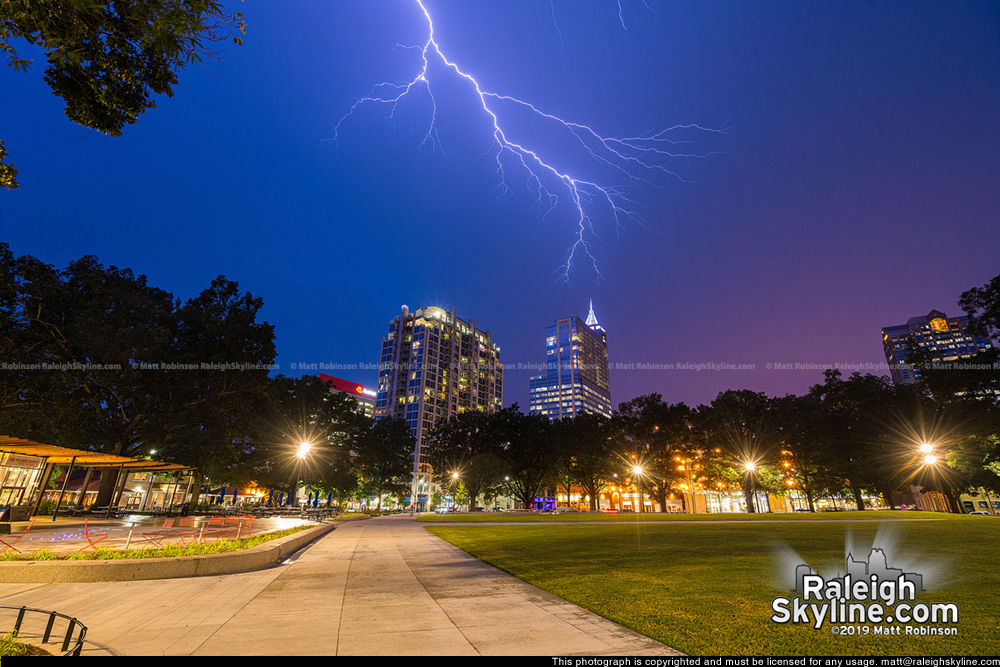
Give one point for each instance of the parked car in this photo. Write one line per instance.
(497, 509)
(479, 509)
(981, 513)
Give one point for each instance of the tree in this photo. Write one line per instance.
(872, 426)
(658, 437)
(8, 175)
(108, 58)
(982, 304)
(803, 432)
(307, 434)
(740, 424)
(466, 445)
(590, 457)
(107, 362)
(529, 454)
(93, 339)
(227, 354)
(384, 457)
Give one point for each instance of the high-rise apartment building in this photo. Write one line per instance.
(939, 337)
(365, 396)
(434, 365)
(576, 363)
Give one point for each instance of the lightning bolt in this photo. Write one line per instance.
(639, 162)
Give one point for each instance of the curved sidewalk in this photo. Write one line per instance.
(379, 587)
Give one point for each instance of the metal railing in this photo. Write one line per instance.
(28, 617)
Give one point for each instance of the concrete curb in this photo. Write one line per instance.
(77, 571)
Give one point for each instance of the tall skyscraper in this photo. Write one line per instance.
(576, 364)
(434, 365)
(939, 337)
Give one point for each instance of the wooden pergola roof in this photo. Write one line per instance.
(84, 458)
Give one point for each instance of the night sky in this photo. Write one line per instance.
(855, 188)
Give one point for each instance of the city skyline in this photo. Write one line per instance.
(860, 145)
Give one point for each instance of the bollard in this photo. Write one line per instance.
(129, 540)
(201, 534)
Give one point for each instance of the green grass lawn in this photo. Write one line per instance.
(707, 588)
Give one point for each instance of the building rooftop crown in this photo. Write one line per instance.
(591, 318)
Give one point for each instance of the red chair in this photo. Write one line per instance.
(93, 539)
(217, 527)
(8, 541)
(155, 538)
(246, 522)
(188, 533)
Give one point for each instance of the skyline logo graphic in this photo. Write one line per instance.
(869, 598)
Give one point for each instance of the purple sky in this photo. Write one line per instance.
(856, 188)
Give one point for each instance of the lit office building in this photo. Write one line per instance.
(577, 377)
(939, 337)
(434, 365)
(365, 396)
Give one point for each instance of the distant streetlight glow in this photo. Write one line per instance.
(304, 448)
(926, 448)
(930, 460)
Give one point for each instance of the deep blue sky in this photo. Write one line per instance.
(857, 188)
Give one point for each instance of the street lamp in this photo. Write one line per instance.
(637, 472)
(749, 467)
(686, 467)
(454, 490)
(300, 455)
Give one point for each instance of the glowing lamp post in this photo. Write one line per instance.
(300, 456)
(749, 467)
(637, 471)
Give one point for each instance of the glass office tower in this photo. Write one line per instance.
(576, 363)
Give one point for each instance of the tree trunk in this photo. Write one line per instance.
(809, 499)
(661, 497)
(887, 497)
(952, 498)
(748, 496)
(106, 492)
(197, 478)
(473, 494)
(858, 498)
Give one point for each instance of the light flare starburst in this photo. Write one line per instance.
(638, 163)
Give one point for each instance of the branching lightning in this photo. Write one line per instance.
(640, 162)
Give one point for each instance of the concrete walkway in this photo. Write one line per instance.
(379, 587)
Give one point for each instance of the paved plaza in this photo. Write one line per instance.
(383, 586)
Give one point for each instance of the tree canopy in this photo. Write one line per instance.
(107, 59)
